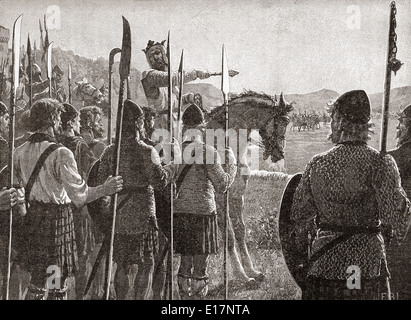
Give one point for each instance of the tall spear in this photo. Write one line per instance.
(225, 88)
(69, 82)
(170, 128)
(49, 69)
(14, 84)
(113, 52)
(34, 52)
(180, 93)
(124, 70)
(41, 35)
(30, 73)
(393, 65)
(2, 79)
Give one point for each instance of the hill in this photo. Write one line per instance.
(96, 71)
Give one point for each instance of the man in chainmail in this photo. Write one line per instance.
(345, 200)
(155, 83)
(399, 257)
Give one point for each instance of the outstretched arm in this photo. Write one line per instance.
(160, 78)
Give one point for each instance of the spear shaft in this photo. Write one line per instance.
(170, 128)
(393, 64)
(15, 82)
(225, 90)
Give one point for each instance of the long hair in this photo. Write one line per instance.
(347, 130)
(43, 113)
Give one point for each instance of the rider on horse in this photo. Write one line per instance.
(155, 82)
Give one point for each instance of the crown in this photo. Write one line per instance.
(151, 44)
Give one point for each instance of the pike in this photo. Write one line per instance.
(231, 73)
(14, 84)
(23, 59)
(49, 69)
(30, 66)
(180, 94)
(34, 52)
(41, 35)
(124, 70)
(3, 77)
(170, 128)
(225, 88)
(46, 39)
(393, 65)
(113, 52)
(69, 82)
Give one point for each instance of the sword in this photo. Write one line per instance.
(14, 84)
(225, 90)
(393, 65)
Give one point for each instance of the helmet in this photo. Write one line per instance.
(354, 106)
(132, 111)
(151, 48)
(193, 116)
(406, 113)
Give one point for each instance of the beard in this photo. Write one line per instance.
(58, 130)
(403, 136)
(98, 132)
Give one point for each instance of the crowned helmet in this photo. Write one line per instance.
(152, 47)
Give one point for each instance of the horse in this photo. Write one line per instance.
(248, 111)
(85, 94)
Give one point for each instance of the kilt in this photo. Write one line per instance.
(131, 249)
(45, 237)
(325, 289)
(195, 234)
(85, 231)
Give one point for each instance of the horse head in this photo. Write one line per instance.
(256, 111)
(87, 92)
(273, 133)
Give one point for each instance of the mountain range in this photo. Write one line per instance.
(96, 71)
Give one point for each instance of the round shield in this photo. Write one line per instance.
(285, 227)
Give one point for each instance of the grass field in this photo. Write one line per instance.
(262, 200)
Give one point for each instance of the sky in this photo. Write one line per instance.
(276, 45)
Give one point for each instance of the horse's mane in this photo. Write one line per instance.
(256, 100)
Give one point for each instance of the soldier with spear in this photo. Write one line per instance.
(346, 200)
